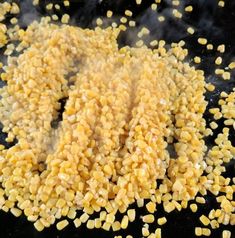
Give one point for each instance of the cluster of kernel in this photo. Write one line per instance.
(112, 130)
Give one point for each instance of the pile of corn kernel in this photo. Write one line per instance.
(125, 108)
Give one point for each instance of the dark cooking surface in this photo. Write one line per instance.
(218, 26)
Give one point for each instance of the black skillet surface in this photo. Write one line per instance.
(214, 23)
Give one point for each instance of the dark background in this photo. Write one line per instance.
(210, 21)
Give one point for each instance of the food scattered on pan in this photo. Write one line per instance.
(133, 116)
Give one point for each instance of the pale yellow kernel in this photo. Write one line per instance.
(151, 207)
(84, 217)
(202, 41)
(190, 30)
(77, 222)
(148, 218)
(209, 46)
(221, 3)
(106, 226)
(124, 222)
(38, 225)
(110, 218)
(226, 75)
(221, 48)
(154, 6)
(116, 226)
(131, 214)
(154, 43)
(161, 18)
(218, 60)
(90, 224)
(189, 8)
(197, 59)
(61, 225)
(226, 234)
(65, 18)
(161, 221)
(49, 6)
(128, 13)
(138, 2)
(232, 65)
(66, 3)
(206, 232)
(16, 212)
(99, 21)
(109, 14)
(132, 23)
(123, 20)
(158, 233)
(204, 220)
(193, 207)
(198, 231)
(145, 231)
(200, 200)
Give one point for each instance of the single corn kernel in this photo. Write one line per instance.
(84, 217)
(198, 231)
(38, 225)
(148, 218)
(190, 30)
(131, 214)
(221, 48)
(145, 231)
(218, 60)
(226, 234)
(151, 207)
(158, 233)
(221, 3)
(200, 200)
(109, 14)
(193, 207)
(204, 220)
(90, 224)
(128, 13)
(197, 59)
(209, 46)
(189, 8)
(16, 212)
(61, 225)
(65, 18)
(202, 41)
(161, 221)
(124, 222)
(206, 232)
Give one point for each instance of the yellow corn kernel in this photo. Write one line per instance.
(90, 224)
(148, 218)
(145, 231)
(226, 234)
(38, 225)
(202, 41)
(131, 214)
(151, 207)
(161, 221)
(106, 226)
(124, 222)
(189, 8)
(16, 212)
(198, 231)
(193, 207)
(190, 30)
(77, 222)
(84, 217)
(204, 220)
(61, 225)
(206, 232)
